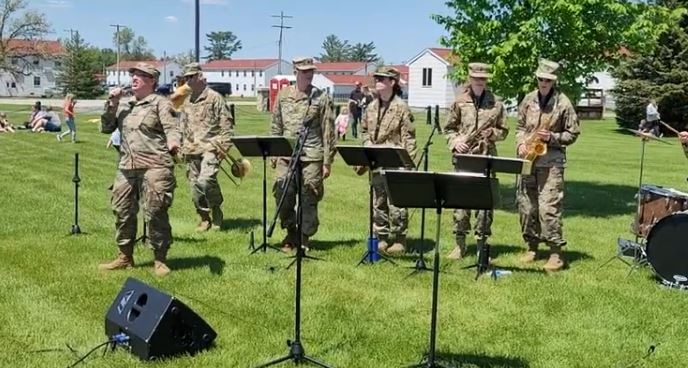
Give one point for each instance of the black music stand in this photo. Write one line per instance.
(268, 146)
(414, 189)
(487, 166)
(374, 158)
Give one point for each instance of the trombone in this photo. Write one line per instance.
(239, 167)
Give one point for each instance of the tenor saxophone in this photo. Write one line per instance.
(535, 147)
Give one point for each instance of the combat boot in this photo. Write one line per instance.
(382, 244)
(289, 241)
(124, 260)
(459, 250)
(556, 261)
(218, 217)
(531, 254)
(399, 246)
(205, 223)
(159, 267)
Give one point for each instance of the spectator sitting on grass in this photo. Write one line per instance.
(49, 122)
(5, 125)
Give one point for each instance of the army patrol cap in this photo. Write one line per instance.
(547, 69)
(146, 68)
(191, 69)
(304, 63)
(387, 71)
(479, 70)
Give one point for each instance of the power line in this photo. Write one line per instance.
(281, 26)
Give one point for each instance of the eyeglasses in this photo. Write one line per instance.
(544, 80)
(379, 78)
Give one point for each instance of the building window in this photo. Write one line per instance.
(237, 86)
(14, 84)
(260, 73)
(35, 62)
(427, 77)
(244, 73)
(171, 73)
(253, 73)
(237, 74)
(14, 61)
(58, 64)
(244, 87)
(253, 87)
(36, 81)
(222, 73)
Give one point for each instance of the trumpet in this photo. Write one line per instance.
(239, 167)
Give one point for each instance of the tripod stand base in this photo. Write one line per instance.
(427, 364)
(302, 257)
(264, 247)
(76, 230)
(419, 266)
(370, 257)
(297, 354)
(483, 264)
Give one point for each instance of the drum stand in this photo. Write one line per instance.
(627, 248)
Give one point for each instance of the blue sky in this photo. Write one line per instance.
(400, 29)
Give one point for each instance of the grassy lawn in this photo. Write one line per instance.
(51, 293)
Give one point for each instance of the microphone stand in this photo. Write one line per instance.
(420, 262)
(296, 350)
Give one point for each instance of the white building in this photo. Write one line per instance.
(168, 71)
(345, 68)
(245, 75)
(40, 59)
(428, 79)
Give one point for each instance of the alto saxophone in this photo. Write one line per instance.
(535, 147)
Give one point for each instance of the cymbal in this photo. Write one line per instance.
(647, 135)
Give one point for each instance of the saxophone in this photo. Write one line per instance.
(534, 145)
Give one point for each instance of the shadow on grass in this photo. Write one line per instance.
(215, 265)
(481, 361)
(242, 224)
(587, 199)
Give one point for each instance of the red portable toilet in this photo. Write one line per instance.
(276, 84)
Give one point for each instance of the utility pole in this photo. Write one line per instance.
(281, 26)
(117, 26)
(198, 31)
(71, 33)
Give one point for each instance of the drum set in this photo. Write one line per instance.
(661, 230)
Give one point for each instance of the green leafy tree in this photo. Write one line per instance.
(334, 49)
(363, 52)
(661, 74)
(584, 36)
(18, 23)
(222, 45)
(77, 72)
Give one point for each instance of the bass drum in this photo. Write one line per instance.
(667, 250)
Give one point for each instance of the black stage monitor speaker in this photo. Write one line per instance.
(158, 325)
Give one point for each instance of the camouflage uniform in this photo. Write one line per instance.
(290, 113)
(540, 195)
(468, 117)
(207, 126)
(146, 169)
(388, 126)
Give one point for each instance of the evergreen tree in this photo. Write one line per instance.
(662, 75)
(78, 70)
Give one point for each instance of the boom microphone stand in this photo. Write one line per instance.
(420, 266)
(296, 350)
(76, 230)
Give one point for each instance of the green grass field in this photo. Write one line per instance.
(51, 293)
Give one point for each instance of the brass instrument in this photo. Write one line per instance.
(475, 142)
(239, 167)
(534, 145)
(179, 96)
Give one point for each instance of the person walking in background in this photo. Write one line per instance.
(342, 123)
(68, 109)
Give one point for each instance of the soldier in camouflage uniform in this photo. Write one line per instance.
(477, 119)
(388, 122)
(545, 115)
(207, 126)
(296, 106)
(150, 137)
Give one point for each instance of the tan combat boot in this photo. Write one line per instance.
(459, 250)
(382, 244)
(556, 261)
(531, 254)
(205, 223)
(124, 260)
(399, 246)
(218, 217)
(159, 267)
